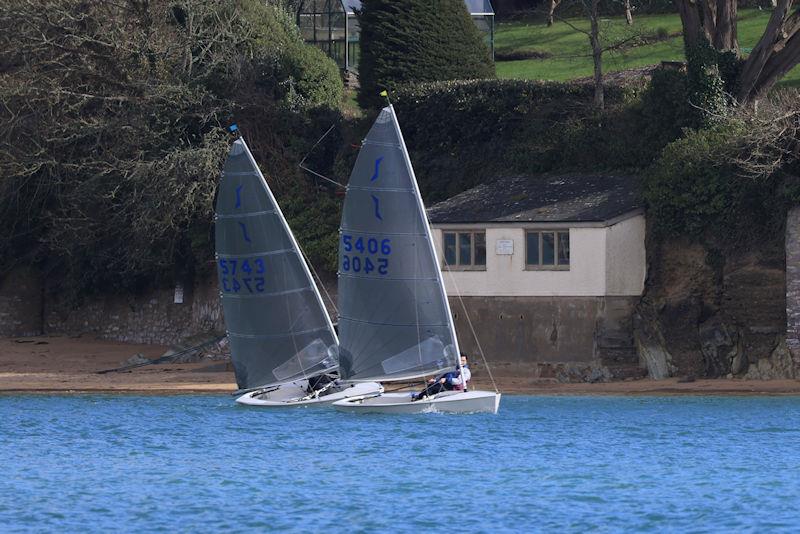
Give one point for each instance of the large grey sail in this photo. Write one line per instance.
(277, 326)
(394, 320)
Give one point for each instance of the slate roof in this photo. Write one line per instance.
(543, 198)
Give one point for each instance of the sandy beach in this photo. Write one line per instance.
(51, 364)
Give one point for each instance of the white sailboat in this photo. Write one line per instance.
(279, 331)
(395, 321)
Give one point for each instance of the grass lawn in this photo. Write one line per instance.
(570, 52)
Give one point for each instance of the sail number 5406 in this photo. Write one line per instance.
(365, 255)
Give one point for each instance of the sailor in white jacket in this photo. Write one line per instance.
(452, 380)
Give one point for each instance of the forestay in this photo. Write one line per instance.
(277, 325)
(394, 320)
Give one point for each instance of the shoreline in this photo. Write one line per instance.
(61, 365)
(639, 388)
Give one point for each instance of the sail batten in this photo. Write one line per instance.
(239, 216)
(395, 321)
(376, 323)
(259, 253)
(277, 336)
(278, 327)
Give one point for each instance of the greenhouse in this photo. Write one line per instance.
(332, 25)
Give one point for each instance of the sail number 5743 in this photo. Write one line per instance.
(365, 254)
(242, 275)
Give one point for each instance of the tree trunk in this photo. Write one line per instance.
(597, 55)
(776, 53)
(714, 20)
(628, 13)
(690, 19)
(551, 10)
(776, 68)
(725, 37)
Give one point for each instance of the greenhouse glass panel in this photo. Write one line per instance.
(333, 26)
(324, 23)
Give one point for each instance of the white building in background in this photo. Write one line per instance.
(550, 269)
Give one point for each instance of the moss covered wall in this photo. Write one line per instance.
(793, 280)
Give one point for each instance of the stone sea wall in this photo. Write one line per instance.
(21, 303)
(584, 339)
(154, 317)
(791, 357)
(793, 280)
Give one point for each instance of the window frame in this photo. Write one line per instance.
(556, 266)
(458, 267)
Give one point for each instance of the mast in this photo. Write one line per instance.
(429, 239)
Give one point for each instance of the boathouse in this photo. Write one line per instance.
(549, 269)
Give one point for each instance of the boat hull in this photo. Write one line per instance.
(295, 393)
(400, 403)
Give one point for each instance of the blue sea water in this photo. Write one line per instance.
(91, 463)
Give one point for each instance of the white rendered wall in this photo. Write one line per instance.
(591, 257)
(626, 261)
(505, 275)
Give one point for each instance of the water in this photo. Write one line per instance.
(200, 463)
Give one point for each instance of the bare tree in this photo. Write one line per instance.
(592, 11)
(776, 53)
(770, 138)
(601, 40)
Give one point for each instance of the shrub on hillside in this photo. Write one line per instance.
(731, 182)
(309, 78)
(692, 184)
(299, 74)
(111, 152)
(664, 108)
(406, 41)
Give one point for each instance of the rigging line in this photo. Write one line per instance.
(416, 304)
(318, 175)
(469, 322)
(319, 280)
(292, 320)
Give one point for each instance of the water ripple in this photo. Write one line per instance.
(201, 463)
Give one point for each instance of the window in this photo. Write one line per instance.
(547, 250)
(465, 250)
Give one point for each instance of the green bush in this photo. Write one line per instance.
(300, 75)
(711, 81)
(696, 189)
(733, 181)
(310, 78)
(665, 111)
(461, 133)
(406, 41)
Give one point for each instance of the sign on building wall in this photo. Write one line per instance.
(178, 294)
(504, 247)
